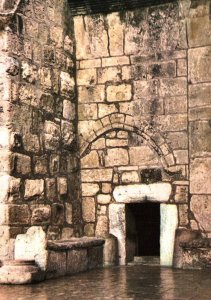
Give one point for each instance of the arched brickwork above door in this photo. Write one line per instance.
(124, 122)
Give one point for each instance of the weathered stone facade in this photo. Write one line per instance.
(90, 103)
(38, 135)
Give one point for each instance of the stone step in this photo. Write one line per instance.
(146, 260)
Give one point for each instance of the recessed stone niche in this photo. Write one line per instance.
(142, 193)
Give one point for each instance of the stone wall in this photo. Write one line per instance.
(128, 92)
(38, 164)
(144, 103)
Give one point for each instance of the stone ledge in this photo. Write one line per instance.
(74, 243)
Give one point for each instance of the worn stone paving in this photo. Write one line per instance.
(130, 282)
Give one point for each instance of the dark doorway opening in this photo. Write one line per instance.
(142, 229)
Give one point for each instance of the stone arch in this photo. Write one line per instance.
(126, 122)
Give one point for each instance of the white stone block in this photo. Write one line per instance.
(32, 246)
(157, 192)
(169, 223)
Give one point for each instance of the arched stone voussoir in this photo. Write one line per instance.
(118, 121)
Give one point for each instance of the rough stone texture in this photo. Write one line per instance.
(142, 102)
(169, 223)
(37, 90)
(200, 176)
(158, 192)
(88, 209)
(32, 245)
(200, 206)
(77, 261)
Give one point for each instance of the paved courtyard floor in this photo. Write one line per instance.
(130, 282)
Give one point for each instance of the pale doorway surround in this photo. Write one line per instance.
(139, 193)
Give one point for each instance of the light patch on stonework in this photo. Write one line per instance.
(169, 223)
(157, 192)
(32, 246)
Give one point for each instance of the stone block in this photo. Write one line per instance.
(96, 175)
(116, 157)
(103, 199)
(200, 141)
(181, 157)
(200, 176)
(69, 213)
(41, 214)
(67, 83)
(68, 110)
(200, 206)
(128, 177)
(99, 144)
(175, 105)
(198, 31)
(32, 246)
(51, 135)
(106, 109)
(89, 230)
(159, 70)
(101, 210)
(115, 61)
(51, 191)
(34, 188)
(109, 74)
(116, 143)
(87, 77)
(183, 215)
(102, 227)
(157, 192)
(182, 67)
(169, 223)
(173, 87)
(90, 161)
(87, 112)
(45, 78)
(5, 161)
(142, 156)
(118, 93)
(106, 188)
(67, 233)
(62, 185)
(56, 265)
(200, 95)
(117, 227)
(22, 164)
(54, 164)
(181, 193)
(67, 133)
(177, 140)
(199, 62)
(95, 257)
(89, 189)
(91, 94)
(110, 251)
(90, 63)
(199, 113)
(41, 164)
(88, 209)
(77, 261)
(29, 72)
(116, 34)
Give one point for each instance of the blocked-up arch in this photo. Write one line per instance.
(126, 122)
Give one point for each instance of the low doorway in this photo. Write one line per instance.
(142, 230)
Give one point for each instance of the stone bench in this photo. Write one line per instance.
(73, 256)
(196, 253)
(52, 259)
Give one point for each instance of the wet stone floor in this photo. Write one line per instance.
(130, 282)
